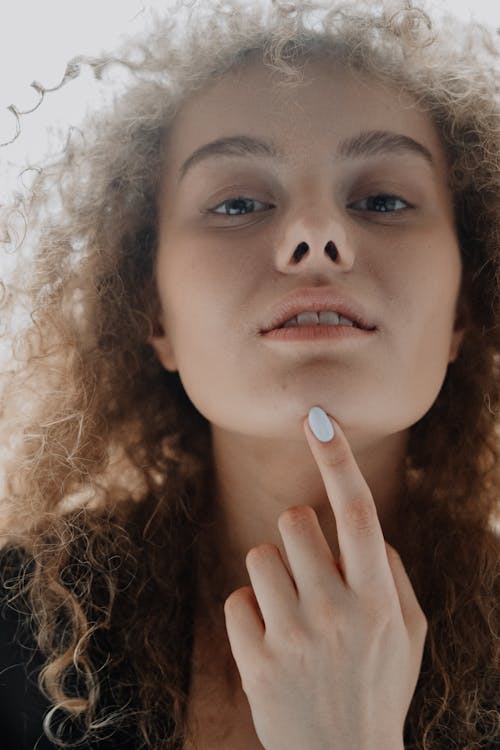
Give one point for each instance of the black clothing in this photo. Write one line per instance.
(22, 705)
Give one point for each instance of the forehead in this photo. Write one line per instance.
(329, 104)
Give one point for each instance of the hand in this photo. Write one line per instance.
(329, 655)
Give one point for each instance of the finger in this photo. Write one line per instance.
(273, 586)
(360, 537)
(412, 612)
(244, 625)
(310, 558)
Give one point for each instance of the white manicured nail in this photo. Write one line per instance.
(320, 424)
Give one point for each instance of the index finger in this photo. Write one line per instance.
(360, 536)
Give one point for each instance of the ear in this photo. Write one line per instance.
(163, 348)
(456, 342)
(463, 320)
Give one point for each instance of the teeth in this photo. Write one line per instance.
(307, 318)
(345, 321)
(330, 318)
(312, 318)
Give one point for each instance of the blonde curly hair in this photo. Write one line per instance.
(108, 480)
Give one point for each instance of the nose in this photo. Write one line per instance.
(307, 249)
(303, 248)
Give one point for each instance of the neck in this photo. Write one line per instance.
(253, 484)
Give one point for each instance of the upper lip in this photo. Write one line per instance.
(315, 299)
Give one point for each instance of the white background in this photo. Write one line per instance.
(38, 38)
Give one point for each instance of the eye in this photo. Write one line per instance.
(237, 206)
(380, 203)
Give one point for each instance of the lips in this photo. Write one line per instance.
(316, 299)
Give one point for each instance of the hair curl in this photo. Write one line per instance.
(108, 476)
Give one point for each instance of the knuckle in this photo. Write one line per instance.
(337, 458)
(295, 641)
(378, 614)
(260, 554)
(422, 622)
(418, 627)
(326, 612)
(238, 598)
(393, 555)
(258, 676)
(296, 516)
(360, 517)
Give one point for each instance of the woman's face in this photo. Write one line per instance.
(229, 227)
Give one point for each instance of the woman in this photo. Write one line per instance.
(198, 569)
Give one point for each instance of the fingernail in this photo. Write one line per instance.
(320, 424)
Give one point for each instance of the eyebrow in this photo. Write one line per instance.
(367, 143)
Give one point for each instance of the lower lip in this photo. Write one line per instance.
(315, 332)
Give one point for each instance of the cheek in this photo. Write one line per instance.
(422, 283)
(203, 295)
(190, 284)
(428, 310)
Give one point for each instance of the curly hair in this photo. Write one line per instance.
(108, 476)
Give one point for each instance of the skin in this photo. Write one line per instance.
(218, 278)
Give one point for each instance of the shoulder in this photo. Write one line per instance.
(22, 705)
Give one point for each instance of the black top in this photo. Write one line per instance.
(23, 707)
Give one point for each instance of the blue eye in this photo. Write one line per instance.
(380, 204)
(237, 206)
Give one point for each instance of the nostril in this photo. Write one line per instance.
(331, 249)
(301, 250)
(303, 247)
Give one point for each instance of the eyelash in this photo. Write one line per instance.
(376, 197)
